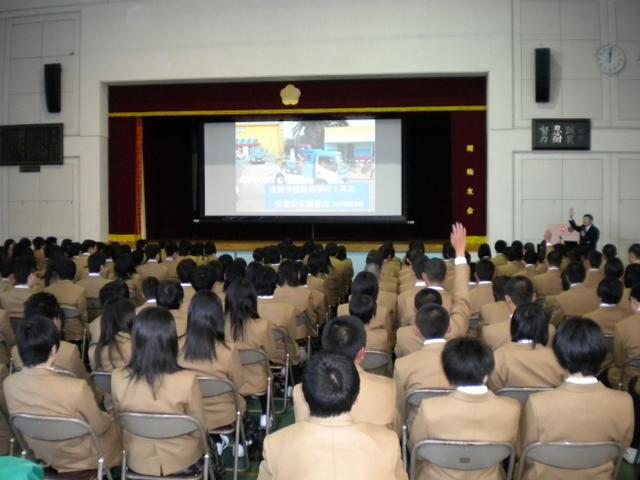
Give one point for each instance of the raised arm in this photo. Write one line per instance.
(461, 305)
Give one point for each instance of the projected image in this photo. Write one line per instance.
(305, 166)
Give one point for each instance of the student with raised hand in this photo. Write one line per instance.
(331, 442)
(377, 400)
(470, 413)
(581, 409)
(154, 382)
(527, 361)
(204, 351)
(245, 330)
(112, 349)
(38, 390)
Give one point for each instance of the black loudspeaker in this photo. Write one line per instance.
(543, 74)
(53, 86)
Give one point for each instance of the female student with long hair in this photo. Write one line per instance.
(113, 349)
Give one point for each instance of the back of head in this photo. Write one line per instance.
(344, 334)
(362, 307)
(331, 249)
(210, 248)
(150, 288)
(151, 251)
(580, 346)
(203, 278)
(387, 250)
(233, 272)
(241, 304)
(205, 326)
(272, 255)
(184, 248)
(318, 263)
(375, 257)
(632, 275)
(520, 290)
(124, 266)
(427, 296)
(531, 258)
(484, 251)
(515, 253)
(436, 270)
(95, 262)
(43, 304)
(154, 346)
(186, 269)
(22, 268)
(88, 245)
(266, 281)
(288, 274)
(330, 384)
(170, 249)
(419, 265)
(342, 252)
(36, 336)
(529, 322)
(610, 290)
(116, 288)
(467, 361)
(554, 258)
(595, 258)
(65, 269)
(500, 246)
(575, 272)
(499, 284)
(170, 295)
(433, 321)
(365, 283)
(634, 251)
(118, 316)
(614, 268)
(485, 269)
(609, 251)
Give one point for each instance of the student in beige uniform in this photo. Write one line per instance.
(608, 314)
(376, 403)
(330, 443)
(205, 352)
(530, 269)
(366, 283)
(152, 267)
(153, 382)
(112, 348)
(124, 269)
(68, 357)
(24, 284)
(364, 308)
(482, 292)
(579, 410)
(245, 330)
(626, 344)
(501, 249)
(69, 295)
(594, 273)
(514, 263)
(186, 270)
(88, 248)
(526, 361)
(96, 278)
(115, 288)
(38, 390)
(170, 296)
(470, 413)
(550, 282)
(577, 300)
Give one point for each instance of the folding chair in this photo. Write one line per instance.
(521, 394)
(474, 325)
(57, 429)
(72, 313)
(255, 357)
(63, 372)
(466, 456)
(280, 335)
(215, 387)
(572, 455)
(412, 401)
(101, 381)
(160, 426)
(608, 341)
(94, 308)
(377, 362)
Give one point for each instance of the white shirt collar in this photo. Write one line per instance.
(94, 274)
(594, 270)
(530, 265)
(473, 389)
(85, 254)
(433, 341)
(485, 282)
(420, 283)
(586, 229)
(152, 260)
(553, 268)
(183, 285)
(23, 285)
(525, 341)
(436, 287)
(265, 297)
(581, 380)
(151, 301)
(608, 305)
(575, 285)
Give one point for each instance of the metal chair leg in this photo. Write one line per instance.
(268, 414)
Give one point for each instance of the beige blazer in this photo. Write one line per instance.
(177, 393)
(407, 307)
(499, 334)
(257, 335)
(626, 346)
(39, 391)
(376, 402)
(521, 365)
(5, 431)
(479, 296)
(153, 269)
(75, 296)
(593, 278)
(300, 299)
(408, 340)
(332, 448)
(189, 292)
(12, 299)
(499, 259)
(528, 271)
(7, 335)
(576, 301)
(281, 315)
(120, 356)
(171, 264)
(92, 285)
(378, 339)
(381, 320)
(496, 312)
(510, 269)
(607, 318)
(549, 283)
(575, 413)
(390, 302)
(68, 359)
(219, 411)
(462, 416)
(82, 266)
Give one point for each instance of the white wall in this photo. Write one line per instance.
(184, 40)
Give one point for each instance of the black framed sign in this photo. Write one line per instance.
(561, 134)
(34, 144)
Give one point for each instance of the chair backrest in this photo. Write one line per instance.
(280, 335)
(414, 398)
(608, 340)
(466, 456)
(374, 360)
(50, 428)
(160, 426)
(572, 455)
(70, 312)
(101, 381)
(252, 357)
(634, 363)
(520, 394)
(94, 303)
(214, 387)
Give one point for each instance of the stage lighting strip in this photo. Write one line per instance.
(276, 111)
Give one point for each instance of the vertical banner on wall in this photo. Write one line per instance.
(141, 223)
(469, 172)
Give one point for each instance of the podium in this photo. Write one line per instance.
(561, 232)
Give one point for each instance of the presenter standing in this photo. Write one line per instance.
(589, 233)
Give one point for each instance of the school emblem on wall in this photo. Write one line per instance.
(290, 95)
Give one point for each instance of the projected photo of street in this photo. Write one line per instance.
(306, 167)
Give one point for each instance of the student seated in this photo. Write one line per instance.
(24, 283)
(204, 351)
(581, 409)
(170, 296)
(609, 313)
(113, 347)
(482, 293)
(470, 413)
(526, 361)
(38, 390)
(68, 356)
(71, 295)
(96, 279)
(153, 382)
(331, 443)
(376, 402)
(626, 344)
(364, 308)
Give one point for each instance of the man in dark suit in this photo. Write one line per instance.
(589, 233)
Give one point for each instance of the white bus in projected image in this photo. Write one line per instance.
(305, 166)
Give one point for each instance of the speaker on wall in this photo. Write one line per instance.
(543, 74)
(53, 86)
